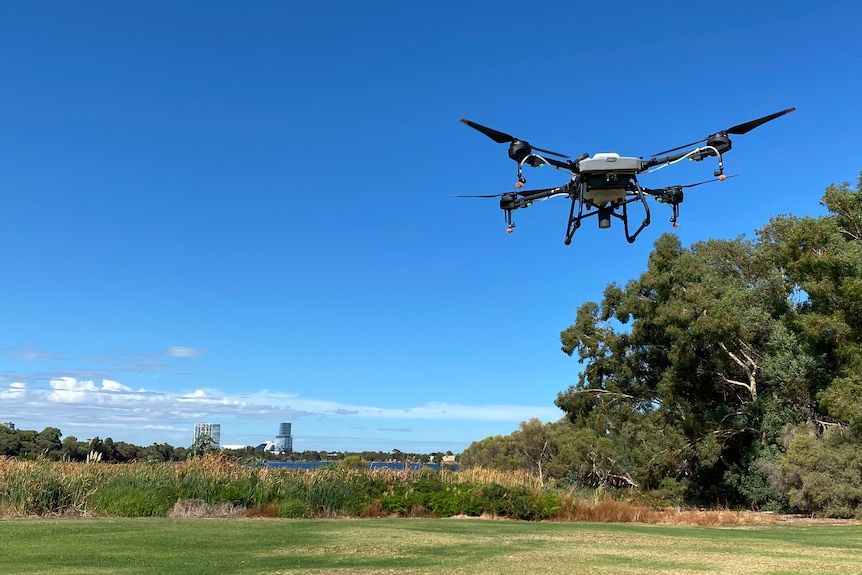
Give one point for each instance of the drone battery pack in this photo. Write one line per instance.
(607, 177)
(610, 163)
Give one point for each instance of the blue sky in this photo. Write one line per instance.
(241, 213)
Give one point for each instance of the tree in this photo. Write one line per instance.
(681, 362)
(534, 445)
(73, 450)
(701, 368)
(10, 442)
(202, 445)
(822, 258)
(497, 452)
(48, 441)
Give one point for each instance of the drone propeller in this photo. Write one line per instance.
(738, 129)
(523, 193)
(746, 127)
(502, 137)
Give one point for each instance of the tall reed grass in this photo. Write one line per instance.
(216, 485)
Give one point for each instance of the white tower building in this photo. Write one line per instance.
(283, 441)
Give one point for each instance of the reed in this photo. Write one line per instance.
(217, 486)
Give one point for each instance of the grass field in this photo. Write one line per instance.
(444, 546)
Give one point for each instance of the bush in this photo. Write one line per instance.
(824, 477)
(135, 491)
(131, 501)
(293, 508)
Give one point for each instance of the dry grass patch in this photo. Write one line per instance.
(621, 511)
(192, 508)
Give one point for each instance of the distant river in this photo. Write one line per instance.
(371, 465)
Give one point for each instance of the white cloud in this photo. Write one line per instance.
(15, 390)
(109, 385)
(72, 390)
(180, 351)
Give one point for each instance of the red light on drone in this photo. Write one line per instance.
(722, 177)
(519, 185)
(509, 230)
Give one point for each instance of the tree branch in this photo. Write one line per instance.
(749, 366)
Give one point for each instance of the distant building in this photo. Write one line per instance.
(284, 441)
(213, 430)
(11, 425)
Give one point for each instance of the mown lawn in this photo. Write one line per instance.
(380, 546)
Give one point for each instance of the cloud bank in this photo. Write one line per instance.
(107, 403)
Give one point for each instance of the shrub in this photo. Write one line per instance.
(130, 501)
(293, 508)
(135, 491)
(824, 477)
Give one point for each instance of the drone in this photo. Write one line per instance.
(605, 184)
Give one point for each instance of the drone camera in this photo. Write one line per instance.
(605, 218)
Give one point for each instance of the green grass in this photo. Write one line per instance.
(444, 546)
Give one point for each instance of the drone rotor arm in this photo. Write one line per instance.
(559, 155)
(529, 196)
(667, 160)
(662, 153)
(558, 164)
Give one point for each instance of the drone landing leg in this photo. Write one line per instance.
(574, 221)
(631, 238)
(577, 198)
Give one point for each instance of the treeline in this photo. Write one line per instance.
(395, 455)
(47, 444)
(51, 445)
(728, 372)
